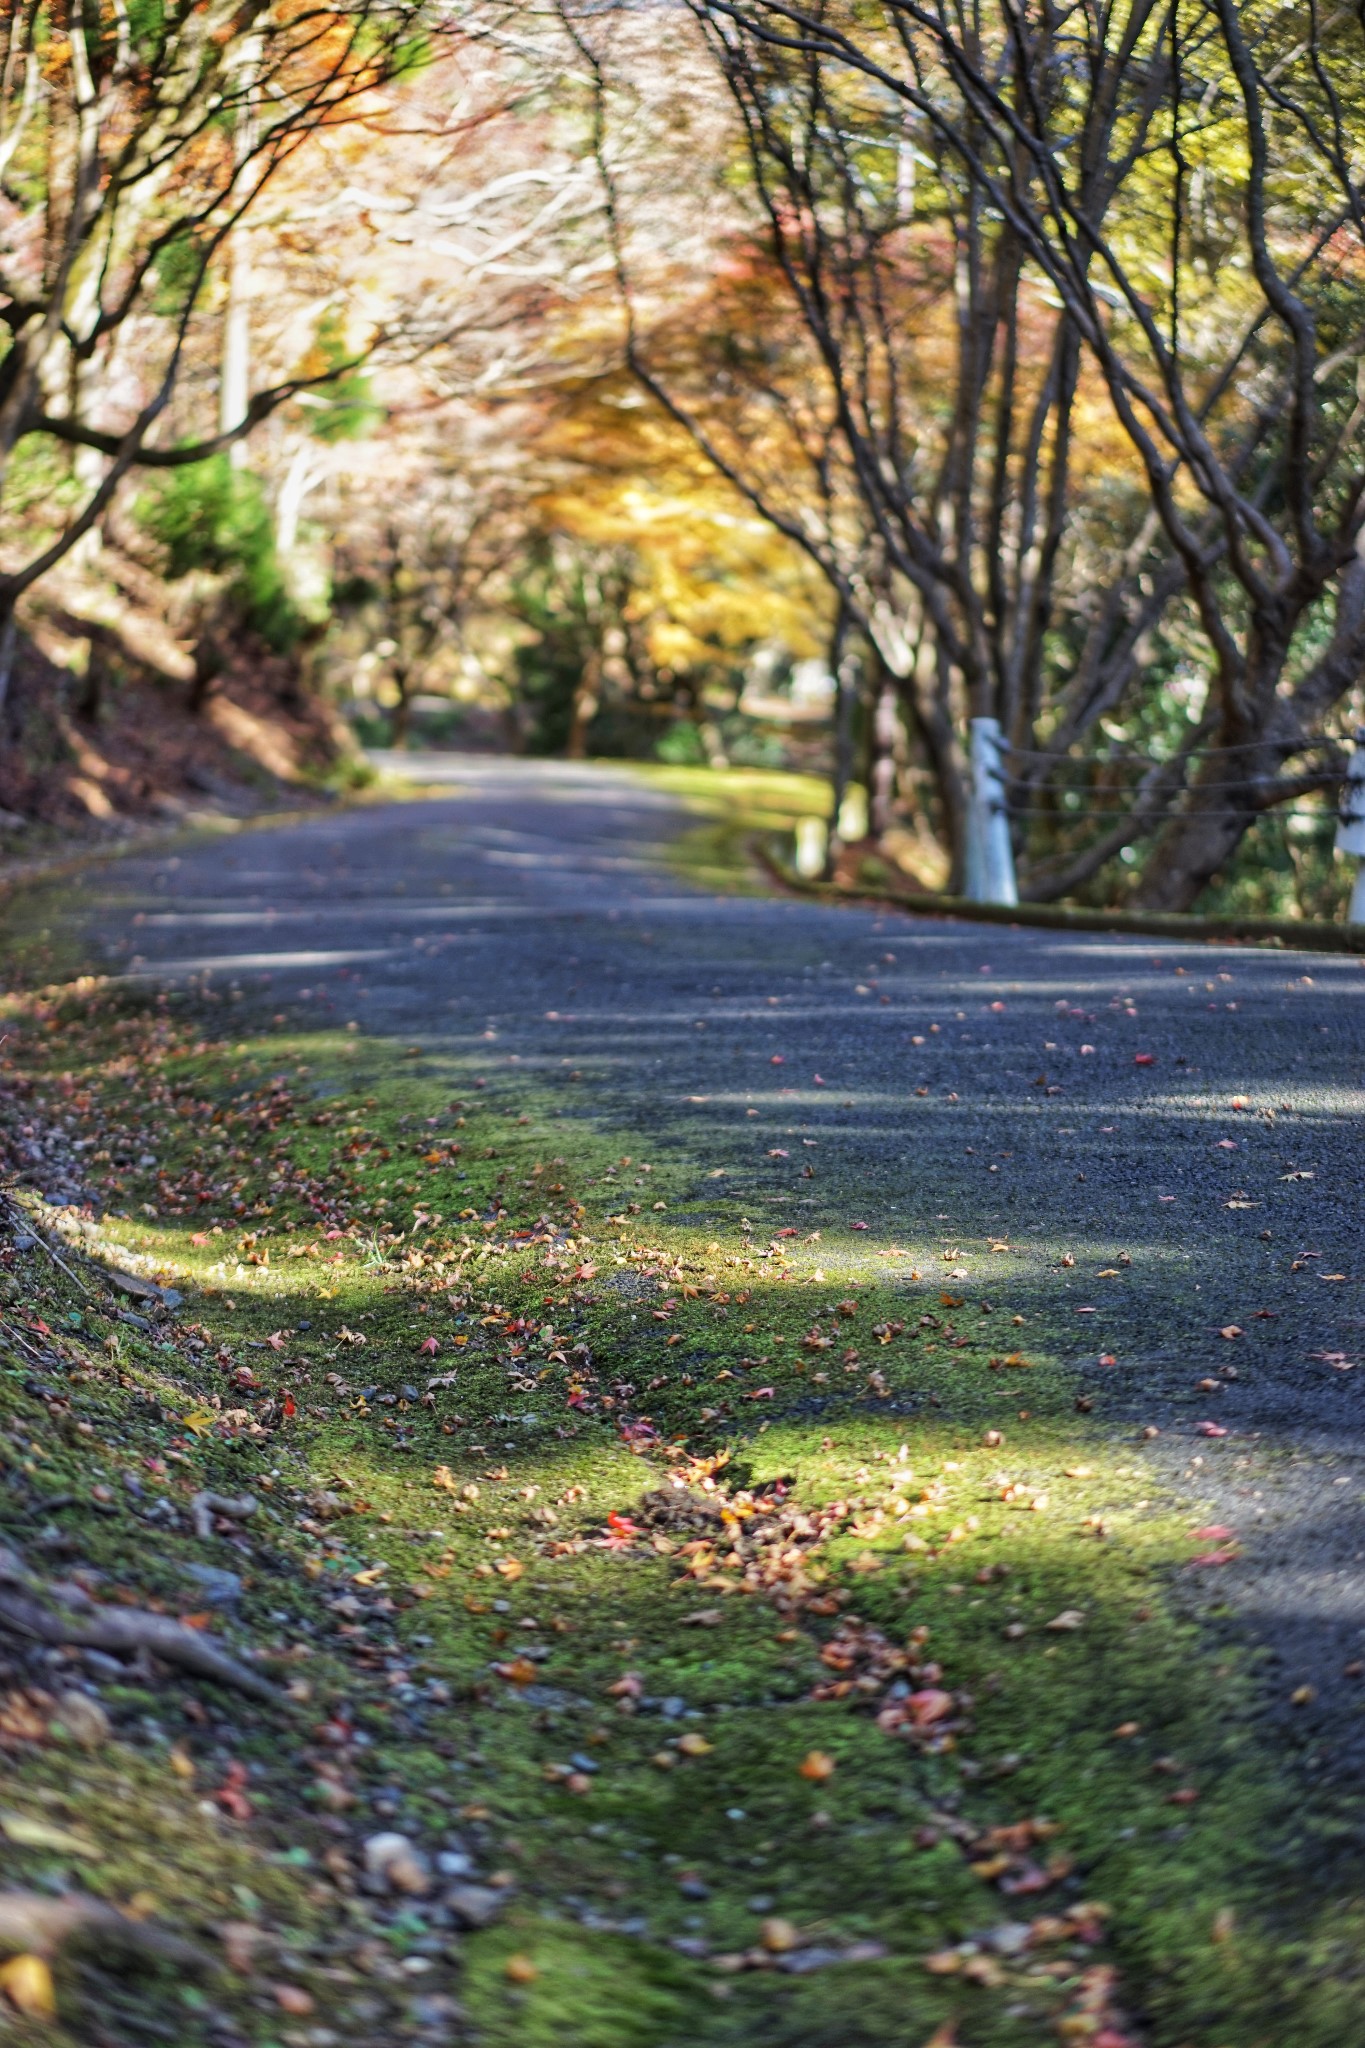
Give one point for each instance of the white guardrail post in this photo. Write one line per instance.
(990, 853)
(1351, 825)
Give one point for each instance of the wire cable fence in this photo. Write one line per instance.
(1095, 800)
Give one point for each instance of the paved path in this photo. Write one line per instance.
(958, 1082)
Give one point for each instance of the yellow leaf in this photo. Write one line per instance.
(694, 1745)
(520, 1970)
(27, 1983)
(817, 1766)
(779, 1937)
(198, 1421)
(39, 1834)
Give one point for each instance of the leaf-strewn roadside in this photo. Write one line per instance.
(679, 1633)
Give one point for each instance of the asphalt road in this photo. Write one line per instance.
(1198, 1110)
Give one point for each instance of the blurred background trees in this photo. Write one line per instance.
(723, 382)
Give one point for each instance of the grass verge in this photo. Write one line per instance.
(737, 803)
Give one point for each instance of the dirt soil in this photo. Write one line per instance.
(81, 766)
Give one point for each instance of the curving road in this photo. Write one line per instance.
(1197, 1109)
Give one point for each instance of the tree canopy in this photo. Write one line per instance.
(613, 359)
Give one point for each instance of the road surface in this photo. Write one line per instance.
(1196, 1111)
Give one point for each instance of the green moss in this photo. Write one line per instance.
(737, 804)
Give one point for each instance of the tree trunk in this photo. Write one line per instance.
(1203, 836)
(234, 375)
(1188, 856)
(584, 711)
(208, 662)
(884, 730)
(90, 701)
(400, 725)
(9, 636)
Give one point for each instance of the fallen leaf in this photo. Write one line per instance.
(1209, 1429)
(27, 1983)
(694, 1745)
(240, 1939)
(40, 1834)
(779, 1937)
(292, 1998)
(945, 1962)
(929, 1705)
(520, 1671)
(520, 1969)
(1069, 1618)
(817, 1765)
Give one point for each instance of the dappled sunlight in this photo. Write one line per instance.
(630, 1397)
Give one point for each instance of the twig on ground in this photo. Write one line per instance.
(18, 1218)
(205, 1506)
(21, 1343)
(63, 1613)
(33, 1924)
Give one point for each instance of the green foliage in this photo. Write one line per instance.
(210, 516)
(179, 273)
(565, 602)
(681, 746)
(1285, 867)
(345, 409)
(38, 483)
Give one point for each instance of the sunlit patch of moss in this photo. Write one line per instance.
(545, 1984)
(738, 803)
